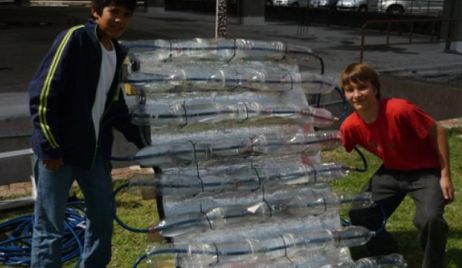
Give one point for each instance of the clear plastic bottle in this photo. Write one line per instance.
(242, 179)
(180, 50)
(197, 48)
(322, 202)
(305, 259)
(275, 246)
(171, 154)
(247, 49)
(274, 195)
(256, 76)
(213, 219)
(158, 82)
(344, 237)
(201, 148)
(388, 261)
(192, 255)
(238, 174)
(262, 144)
(351, 236)
(202, 49)
(274, 226)
(298, 173)
(216, 49)
(161, 114)
(143, 52)
(181, 224)
(220, 217)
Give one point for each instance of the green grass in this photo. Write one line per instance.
(136, 212)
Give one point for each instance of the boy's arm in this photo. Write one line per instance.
(45, 91)
(346, 136)
(438, 136)
(123, 123)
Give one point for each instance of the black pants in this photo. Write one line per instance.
(388, 188)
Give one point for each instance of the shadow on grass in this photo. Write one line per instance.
(131, 204)
(454, 257)
(409, 246)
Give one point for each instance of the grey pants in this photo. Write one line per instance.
(388, 188)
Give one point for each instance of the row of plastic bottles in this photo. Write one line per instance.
(292, 98)
(287, 244)
(232, 143)
(313, 258)
(216, 49)
(161, 115)
(242, 178)
(224, 217)
(272, 226)
(272, 194)
(293, 169)
(237, 77)
(318, 259)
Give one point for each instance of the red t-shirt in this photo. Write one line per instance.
(399, 136)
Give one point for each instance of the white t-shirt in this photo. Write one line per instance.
(108, 66)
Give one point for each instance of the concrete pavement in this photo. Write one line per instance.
(27, 33)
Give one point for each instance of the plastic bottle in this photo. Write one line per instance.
(161, 115)
(216, 49)
(199, 76)
(237, 178)
(276, 246)
(388, 261)
(186, 151)
(323, 202)
(146, 51)
(275, 194)
(306, 259)
(219, 217)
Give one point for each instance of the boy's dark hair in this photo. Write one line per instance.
(359, 74)
(101, 4)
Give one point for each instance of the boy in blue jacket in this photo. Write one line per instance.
(74, 99)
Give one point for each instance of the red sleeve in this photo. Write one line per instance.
(419, 120)
(346, 135)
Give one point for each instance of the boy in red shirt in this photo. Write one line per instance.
(415, 155)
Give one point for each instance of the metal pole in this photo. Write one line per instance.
(411, 31)
(363, 42)
(453, 17)
(221, 19)
(388, 32)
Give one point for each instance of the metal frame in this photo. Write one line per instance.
(433, 37)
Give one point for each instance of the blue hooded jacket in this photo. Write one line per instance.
(62, 94)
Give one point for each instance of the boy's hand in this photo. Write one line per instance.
(448, 189)
(53, 164)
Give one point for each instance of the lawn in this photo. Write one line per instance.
(136, 212)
